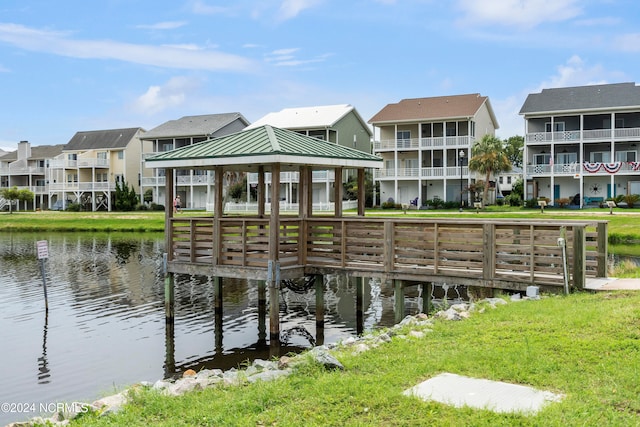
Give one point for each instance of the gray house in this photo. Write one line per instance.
(581, 143)
(193, 186)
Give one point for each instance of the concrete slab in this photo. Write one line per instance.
(611, 284)
(459, 391)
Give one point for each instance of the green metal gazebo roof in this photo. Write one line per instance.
(264, 145)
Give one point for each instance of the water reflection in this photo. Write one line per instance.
(43, 365)
(106, 327)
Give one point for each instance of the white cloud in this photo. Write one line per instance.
(168, 25)
(575, 72)
(4, 69)
(201, 8)
(627, 42)
(174, 93)
(517, 13)
(286, 58)
(291, 8)
(60, 43)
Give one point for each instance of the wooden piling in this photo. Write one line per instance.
(319, 288)
(398, 295)
(360, 305)
(427, 288)
(262, 312)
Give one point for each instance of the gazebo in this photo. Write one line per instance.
(269, 248)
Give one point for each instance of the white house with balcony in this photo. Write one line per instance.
(193, 186)
(91, 163)
(582, 143)
(340, 124)
(425, 144)
(28, 168)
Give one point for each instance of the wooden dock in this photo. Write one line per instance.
(507, 254)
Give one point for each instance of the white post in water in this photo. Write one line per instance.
(43, 254)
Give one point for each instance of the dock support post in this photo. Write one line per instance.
(262, 312)
(170, 348)
(217, 294)
(602, 249)
(426, 297)
(274, 303)
(360, 305)
(319, 284)
(217, 311)
(398, 294)
(169, 291)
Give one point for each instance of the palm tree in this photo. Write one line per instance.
(487, 157)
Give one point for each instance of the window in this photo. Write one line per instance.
(600, 157)
(72, 156)
(626, 156)
(411, 163)
(120, 155)
(72, 177)
(404, 138)
(119, 178)
(541, 159)
(557, 127)
(508, 180)
(451, 129)
(566, 158)
(102, 155)
(500, 180)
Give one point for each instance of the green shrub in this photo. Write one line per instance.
(73, 207)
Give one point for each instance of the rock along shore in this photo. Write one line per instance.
(264, 370)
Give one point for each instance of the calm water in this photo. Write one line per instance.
(105, 327)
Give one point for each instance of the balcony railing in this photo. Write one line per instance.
(294, 177)
(431, 142)
(80, 163)
(435, 172)
(620, 134)
(82, 186)
(586, 168)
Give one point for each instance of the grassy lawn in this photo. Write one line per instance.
(584, 346)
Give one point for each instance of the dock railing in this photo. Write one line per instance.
(508, 254)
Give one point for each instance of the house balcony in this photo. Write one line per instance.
(585, 169)
(36, 189)
(449, 172)
(595, 135)
(23, 170)
(294, 177)
(416, 143)
(153, 181)
(80, 163)
(82, 186)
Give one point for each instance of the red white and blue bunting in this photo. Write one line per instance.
(613, 167)
(592, 167)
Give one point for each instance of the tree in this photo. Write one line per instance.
(513, 149)
(487, 157)
(14, 194)
(125, 198)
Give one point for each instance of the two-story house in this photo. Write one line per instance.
(340, 124)
(28, 168)
(91, 163)
(582, 143)
(193, 186)
(426, 143)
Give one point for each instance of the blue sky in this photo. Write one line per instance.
(76, 65)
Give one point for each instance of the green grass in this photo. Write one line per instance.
(584, 346)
